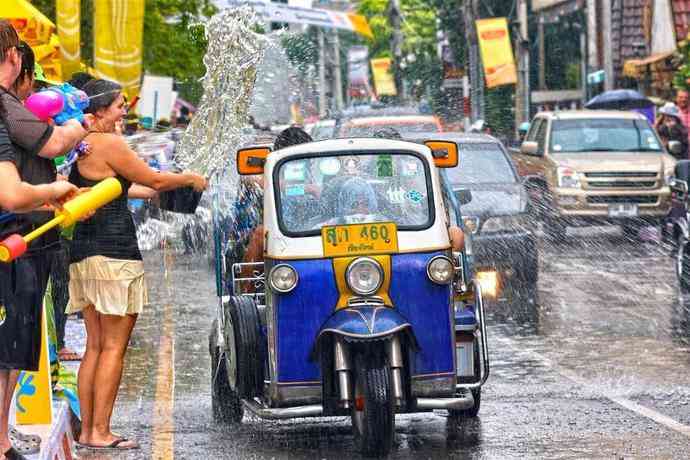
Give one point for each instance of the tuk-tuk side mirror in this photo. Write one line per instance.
(675, 147)
(445, 153)
(529, 148)
(251, 160)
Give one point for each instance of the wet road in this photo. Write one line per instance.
(601, 370)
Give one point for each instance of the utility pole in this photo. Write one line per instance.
(473, 61)
(609, 77)
(395, 18)
(337, 77)
(542, 52)
(522, 90)
(322, 73)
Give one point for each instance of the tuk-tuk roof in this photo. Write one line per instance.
(281, 247)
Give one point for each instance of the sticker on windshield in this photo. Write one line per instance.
(295, 190)
(396, 195)
(557, 147)
(410, 168)
(351, 165)
(329, 166)
(384, 166)
(294, 172)
(414, 196)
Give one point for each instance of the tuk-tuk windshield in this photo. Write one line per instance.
(352, 189)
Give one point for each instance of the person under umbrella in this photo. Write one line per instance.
(670, 128)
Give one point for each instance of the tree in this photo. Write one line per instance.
(174, 42)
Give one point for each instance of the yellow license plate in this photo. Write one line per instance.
(349, 240)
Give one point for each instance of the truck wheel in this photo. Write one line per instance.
(243, 342)
(373, 413)
(225, 403)
(683, 264)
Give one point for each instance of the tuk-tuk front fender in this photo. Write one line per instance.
(365, 323)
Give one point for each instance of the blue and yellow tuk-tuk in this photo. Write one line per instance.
(362, 303)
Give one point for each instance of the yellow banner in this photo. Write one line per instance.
(33, 394)
(68, 25)
(119, 31)
(384, 83)
(497, 53)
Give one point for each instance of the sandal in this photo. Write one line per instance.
(118, 444)
(14, 432)
(66, 354)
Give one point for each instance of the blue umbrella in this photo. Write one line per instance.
(619, 99)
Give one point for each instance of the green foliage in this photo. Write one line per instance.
(174, 42)
(681, 79)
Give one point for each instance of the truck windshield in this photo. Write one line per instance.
(353, 189)
(603, 135)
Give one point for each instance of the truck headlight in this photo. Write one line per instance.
(518, 222)
(567, 178)
(440, 270)
(364, 276)
(282, 278)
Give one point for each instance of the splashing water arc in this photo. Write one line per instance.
(234, 52)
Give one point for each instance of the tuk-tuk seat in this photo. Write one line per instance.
(465, 320)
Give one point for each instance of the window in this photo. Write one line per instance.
(481, 162)
(603, 135)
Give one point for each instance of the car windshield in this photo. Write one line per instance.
(480, 163)
(353, 189)
(603, 134)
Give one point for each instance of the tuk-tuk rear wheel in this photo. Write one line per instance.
(373, 411)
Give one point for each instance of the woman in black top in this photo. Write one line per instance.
(106, 272)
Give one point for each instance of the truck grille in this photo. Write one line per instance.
(627, 179)
(617, 199)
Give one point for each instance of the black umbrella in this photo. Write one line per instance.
(619, 99)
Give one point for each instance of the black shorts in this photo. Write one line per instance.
(22, 287)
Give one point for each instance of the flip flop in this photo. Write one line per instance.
(14, 432)
(115, 445)
(68, 355)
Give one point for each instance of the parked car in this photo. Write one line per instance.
(495, 209)
(588, 167)
(406, 125)
(323, 129)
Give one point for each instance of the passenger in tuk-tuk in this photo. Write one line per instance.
(249, 220)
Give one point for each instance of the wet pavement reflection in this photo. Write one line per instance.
(595, 365)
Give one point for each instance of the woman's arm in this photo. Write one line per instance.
(125, 162)
(18, 196)
(141, 191)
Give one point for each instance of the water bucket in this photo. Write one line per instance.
(181, 200)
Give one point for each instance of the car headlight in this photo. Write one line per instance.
(282, 278)
(364, 276)
(518, 222)
(440, 270)
(567, 178)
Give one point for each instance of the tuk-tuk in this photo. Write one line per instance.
(363, 304)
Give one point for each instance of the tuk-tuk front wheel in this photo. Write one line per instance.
(225, 402)
(373, 411)
(683, 264)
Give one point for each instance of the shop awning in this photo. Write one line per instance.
(633, 68)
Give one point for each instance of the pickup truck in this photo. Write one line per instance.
(587, 167)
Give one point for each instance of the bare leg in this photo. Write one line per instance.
(87, 371)
(4, 414)
(115, 334)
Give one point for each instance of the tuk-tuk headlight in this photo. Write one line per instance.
(282, 278)
(440, 270)
(364, 276)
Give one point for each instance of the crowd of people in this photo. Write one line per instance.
(106, 282)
